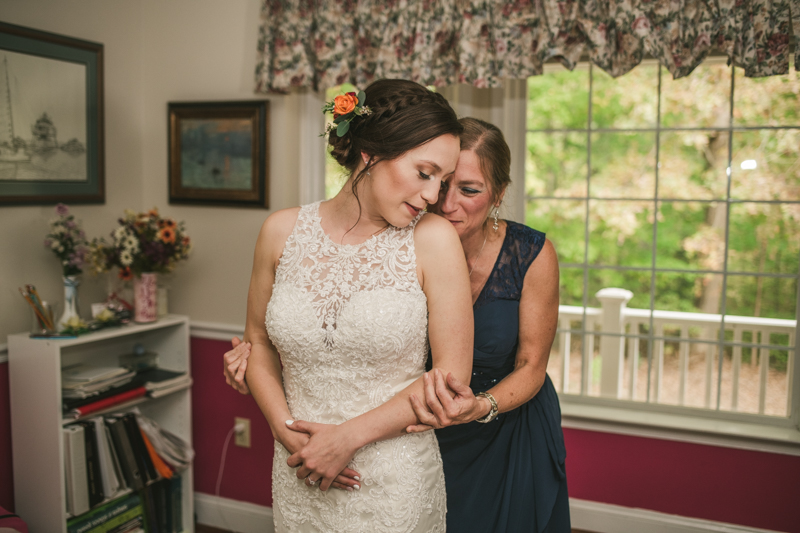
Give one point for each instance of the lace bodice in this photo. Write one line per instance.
(350, 324)
(350, 321)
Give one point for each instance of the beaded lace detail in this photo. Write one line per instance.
(350, 323)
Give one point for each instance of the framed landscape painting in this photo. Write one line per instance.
(218, 153)
(51, 118)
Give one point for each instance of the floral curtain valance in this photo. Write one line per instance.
(322, 43)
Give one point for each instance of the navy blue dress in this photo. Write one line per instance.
(508, 475)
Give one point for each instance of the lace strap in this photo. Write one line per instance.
(520, 248)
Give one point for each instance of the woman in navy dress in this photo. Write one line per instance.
(506, 474)
(503, 457)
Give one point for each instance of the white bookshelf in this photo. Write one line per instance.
(36, 416)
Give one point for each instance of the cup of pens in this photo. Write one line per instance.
(43, 322)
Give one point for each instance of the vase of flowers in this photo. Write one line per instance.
(142, 246)
(68, 241)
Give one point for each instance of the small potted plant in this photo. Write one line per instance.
(142, 246)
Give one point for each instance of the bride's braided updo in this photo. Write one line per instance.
(404, 115)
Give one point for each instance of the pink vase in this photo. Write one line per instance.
(145, 297)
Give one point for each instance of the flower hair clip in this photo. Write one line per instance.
(345, 108)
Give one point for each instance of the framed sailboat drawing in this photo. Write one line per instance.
(51, 118)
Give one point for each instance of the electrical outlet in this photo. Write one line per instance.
(242, 436)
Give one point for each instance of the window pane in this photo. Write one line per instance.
(767, 101)
(620, 233)
(623, 165)
(700, 100)
(761, 296)
(692, 165)
(691, 235)
(679, 293)
(764, 238)
(564, 222)
(559, 100)
(630, 101)
(571, 286)
(555, 164)
(766, 165)
(564, 365)
(636, 281)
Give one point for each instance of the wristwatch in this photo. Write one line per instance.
(493, 413)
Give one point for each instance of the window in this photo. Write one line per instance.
(674, 206)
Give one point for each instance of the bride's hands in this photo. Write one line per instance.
(235, 365)
(323, 456)
(447, 402)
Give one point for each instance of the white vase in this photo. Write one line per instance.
(70, 300)
(145, 297)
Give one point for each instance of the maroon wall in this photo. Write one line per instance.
(6, 471)
(753, 489)
(248, 471)
(749, 488)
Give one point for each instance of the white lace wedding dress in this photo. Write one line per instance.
(350, 323)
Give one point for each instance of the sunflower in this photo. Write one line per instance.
(167, 223)
(167, 235)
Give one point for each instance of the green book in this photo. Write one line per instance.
(95, 520)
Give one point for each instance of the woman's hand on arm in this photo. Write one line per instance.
(443, 276)
(447, 402)
(235, 365)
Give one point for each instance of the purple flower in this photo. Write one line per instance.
(62, 210)
(70, 224)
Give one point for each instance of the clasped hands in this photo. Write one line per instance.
(321, 452)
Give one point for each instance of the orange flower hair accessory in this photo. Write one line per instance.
(345, 108)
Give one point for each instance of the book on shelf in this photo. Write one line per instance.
(139, 449)
(129, 466)
(77, 479)
(109, 464)
(156, 382)
(125, 513)
(110, 401)
(86, 373)
(175, 451)
(95, 482)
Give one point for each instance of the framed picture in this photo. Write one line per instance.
(51, 118)
(218, 153)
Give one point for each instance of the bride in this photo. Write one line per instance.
(353, 289)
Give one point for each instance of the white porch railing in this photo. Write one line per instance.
(622, 330)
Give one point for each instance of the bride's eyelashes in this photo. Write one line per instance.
(424, 176)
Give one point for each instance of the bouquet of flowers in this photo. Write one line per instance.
(143, 242)
(68, 241)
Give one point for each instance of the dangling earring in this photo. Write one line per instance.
(495, 226)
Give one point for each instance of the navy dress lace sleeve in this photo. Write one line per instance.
(508, 475)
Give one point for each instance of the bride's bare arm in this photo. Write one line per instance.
(444, 278)
(264, 368)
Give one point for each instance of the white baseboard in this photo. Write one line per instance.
(607, 518)
(242, 517)
(232, 515)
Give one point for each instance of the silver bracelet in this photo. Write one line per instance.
(493, 413)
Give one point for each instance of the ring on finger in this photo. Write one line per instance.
(311, 482)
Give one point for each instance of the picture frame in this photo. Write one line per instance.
(52, 139)
(218, 153)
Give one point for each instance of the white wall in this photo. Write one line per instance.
(23, 259)
(155, 52)
(206, 50)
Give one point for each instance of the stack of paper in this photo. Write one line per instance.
(160, 381)
(84, 380)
